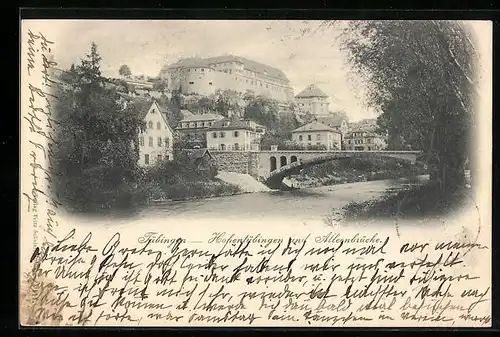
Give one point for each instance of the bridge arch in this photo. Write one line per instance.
(274, 179)
(273, 163)
(283, 161)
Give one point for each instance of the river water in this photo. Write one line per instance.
(297, 205)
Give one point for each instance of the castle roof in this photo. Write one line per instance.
(247, 64)
(314, 126)
(311, 91)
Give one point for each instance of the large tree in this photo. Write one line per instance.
(98, 137)
(421, 76)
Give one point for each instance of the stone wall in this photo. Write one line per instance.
(237, 161)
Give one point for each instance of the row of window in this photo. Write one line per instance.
(222, 134)
(159, 141)
(359, 141)
(195, 124)
(309, 104)
(309, 137)
(224, 147)
(158, 158)
(158, 125)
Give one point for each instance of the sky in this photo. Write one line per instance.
(147, 45)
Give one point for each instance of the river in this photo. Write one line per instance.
(296, 205)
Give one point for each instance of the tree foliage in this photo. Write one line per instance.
(124, 70)
(98, 137)
(421, 76)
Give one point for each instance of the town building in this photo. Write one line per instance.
(312, 100)
(335, 122)
(156, 141)
(194, 127)
(233, 134)
(317, 134)
(205, 75)
(362, 140)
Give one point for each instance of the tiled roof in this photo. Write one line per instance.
(314, 126)
(199, 153)
(203, 117)
(230, 124)
(250, 65)
(331, 121)
(141, 105)
(247, 64)
(311, 91)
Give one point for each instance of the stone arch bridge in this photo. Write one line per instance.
(272, 166)
(276, 165)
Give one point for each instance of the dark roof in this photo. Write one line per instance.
(141, 105)
(314, 126)
(202, 117)
(247, 64)
(312, 91)
(331, 121)
(199, 153)
(230, 124)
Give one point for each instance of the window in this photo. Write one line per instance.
(141, 140)
(158, 125)
(222, 146)
(236, 146)
(214, 135)
(191, 82)
(300, 138)
(167, 142)
(318, 136)
(236, 134)
(210, 123)
(318, 143)
(160, 143)
(159, 158)
(202, 69)
(150, 124)
(222, 135)
(309, 137)
(167, 157)
(146, 159)
(150, 141)
(152, 111)
(209, 83)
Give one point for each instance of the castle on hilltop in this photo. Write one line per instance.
(205, 75)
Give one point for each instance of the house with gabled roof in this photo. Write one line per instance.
(156, 141)
(313, 100)
(317, 134)
(233, 134)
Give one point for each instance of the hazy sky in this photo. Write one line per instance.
(148, 45)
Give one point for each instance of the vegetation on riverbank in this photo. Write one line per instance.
(412, 202)
(352, 170)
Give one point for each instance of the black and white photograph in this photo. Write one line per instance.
(258, 172)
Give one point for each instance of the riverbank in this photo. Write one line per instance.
(409, 202)
(353, 170)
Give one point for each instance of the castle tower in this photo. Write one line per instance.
(313, 100)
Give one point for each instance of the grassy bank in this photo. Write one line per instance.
(188, 190)
(415, 202)
(353, 170)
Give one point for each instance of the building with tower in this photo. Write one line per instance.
(313, 100)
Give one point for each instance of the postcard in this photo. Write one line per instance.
(255, 173)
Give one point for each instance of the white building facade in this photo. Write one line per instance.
(156, 141)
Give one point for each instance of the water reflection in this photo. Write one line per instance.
(301, 204)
